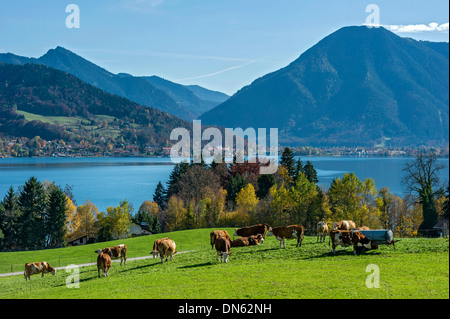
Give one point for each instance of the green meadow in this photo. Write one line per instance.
(417, 268)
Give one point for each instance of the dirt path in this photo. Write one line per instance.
(91, 264)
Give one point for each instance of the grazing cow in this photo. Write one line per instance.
(216, 234)
(288, 232)
(253, 230)
(322, 231)
(104, 261)
(42, 267)
(115, 252)
(344, 225)
(223, 246)
(166, 248)
(155, 251)
(346, 238)
(247, 241)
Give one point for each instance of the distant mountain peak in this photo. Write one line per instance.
(357, 86)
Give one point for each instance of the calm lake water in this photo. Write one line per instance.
(107, 181)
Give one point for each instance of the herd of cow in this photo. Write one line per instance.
(344, 233)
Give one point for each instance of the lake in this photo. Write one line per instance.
(107, 181)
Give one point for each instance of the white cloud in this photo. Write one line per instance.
(416, 28)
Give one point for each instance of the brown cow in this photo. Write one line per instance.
(363, 228)
(119, 251)
(322, 231)
(344, 225)
(155, 251)
(247, 241)
(104, 261)
(42, 267)
(253, 230)
(347, 238)
(166, 248)
(288, 232)
(223, 246)
(216, 234)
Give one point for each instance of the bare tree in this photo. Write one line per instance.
(422, 178)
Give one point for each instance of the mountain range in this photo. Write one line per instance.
(36, 100)
(184, 102)
(358, 86)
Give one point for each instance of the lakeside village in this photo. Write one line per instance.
(38, 147)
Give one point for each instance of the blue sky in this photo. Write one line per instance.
(220, 44)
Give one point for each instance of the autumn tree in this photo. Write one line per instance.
(149, 213)
(176, 212)
(72, 220)
(116, 222)
(87, 215)
(350, 198)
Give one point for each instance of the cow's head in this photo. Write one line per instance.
(269, 232)
(98, 251)
(107, 251)
(154, 253)
(258, 239)
(235, 232)
(362, 242)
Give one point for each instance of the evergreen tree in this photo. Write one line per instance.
(236, 184)
(32, 201)
(310, 172)
(298, 169)
(172, 187)
(56, 218)
(159, 197)
(265, 182)
(288, 161)
(10, 217)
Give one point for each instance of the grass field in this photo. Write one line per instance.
(73, 123)
(418, 268)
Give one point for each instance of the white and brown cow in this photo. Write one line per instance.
(247, 241)
(253, 230)
(155, 251)
(344, 225)
(288, 232)
(223, 246)
(216, 234)
(42, 267)
(119, 251)
(322, 231)
(166, 248)
(347, 238)
(104, 261)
